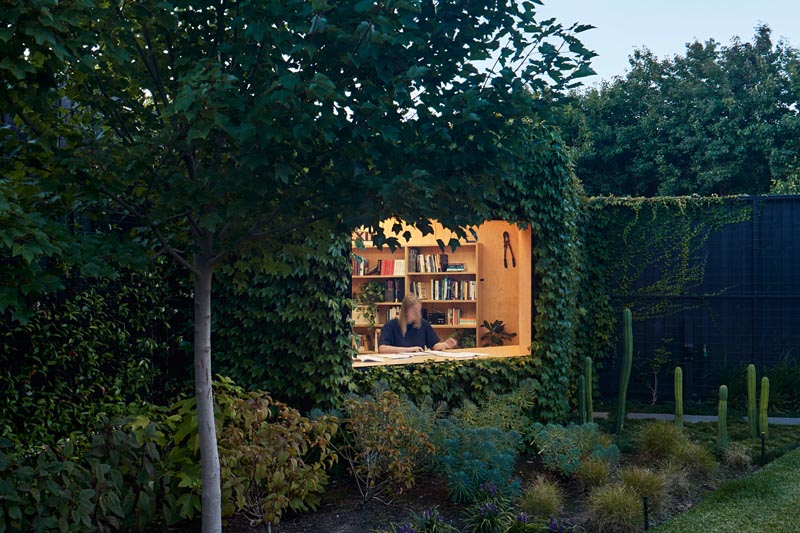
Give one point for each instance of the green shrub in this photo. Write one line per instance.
(593, 472)
(510, 411)
(91, 350)
(381, 449)
(273, 459)
(470, 457)
(542, 499)
(646, 482)
(615, 508)
(562, 448)
(111, 485)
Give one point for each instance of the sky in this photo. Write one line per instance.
(664, 27)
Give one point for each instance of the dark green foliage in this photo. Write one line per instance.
(94, 348)
(513, 410)
(286, 330)
(471, 456)
(451, 382)
(719, 119)
(111, 482)
(624, 368)
(563, 448)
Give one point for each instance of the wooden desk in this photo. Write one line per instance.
(489, 352)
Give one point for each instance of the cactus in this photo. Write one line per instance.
(582, 398)
(587, 372)
(625, 366)
(722, 418)
(763, 406)
(751, 401)
(678, 397)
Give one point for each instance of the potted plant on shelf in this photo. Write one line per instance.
(371, 293)
(496, 334)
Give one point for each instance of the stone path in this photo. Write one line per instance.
(778, 421)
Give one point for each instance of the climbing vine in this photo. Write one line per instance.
(646, 252)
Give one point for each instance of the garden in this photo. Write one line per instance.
(178, 188)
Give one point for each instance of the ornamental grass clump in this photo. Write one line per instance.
(615, 508)
(660, 440)
(542, 499)
(737, 457)
(647, 482)
(593, 472)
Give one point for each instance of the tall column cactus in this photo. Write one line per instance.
(625, 366)
(763, 406)
(582, 398)
(587, 372)
(722, 418)
(752, 409)
(678, 397)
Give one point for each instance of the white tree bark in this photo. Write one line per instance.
(209, 454)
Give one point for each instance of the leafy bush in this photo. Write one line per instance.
(562, 448)
(487, 517)
(542, 499)
(646, 482)
(91, 350)
(510, 411)
(593, 472)
(113, 484)
(615, 508)
(271, 458)
(381, 449)
(472, 456)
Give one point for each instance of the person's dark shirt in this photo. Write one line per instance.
(424, 336)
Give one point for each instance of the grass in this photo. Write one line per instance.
(759, 502)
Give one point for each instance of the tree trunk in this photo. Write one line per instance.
(209, 455)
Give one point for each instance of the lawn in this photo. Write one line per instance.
(759, 502)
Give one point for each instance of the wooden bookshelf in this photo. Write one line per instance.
(481, 289)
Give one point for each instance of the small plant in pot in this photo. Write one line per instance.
(371, 293)
(496, 334)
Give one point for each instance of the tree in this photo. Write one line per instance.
(717, 120)
(226, 127)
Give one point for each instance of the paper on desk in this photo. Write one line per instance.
(370, 358)
(403, 355)
(450, 354)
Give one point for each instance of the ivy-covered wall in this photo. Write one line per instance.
(287, 331)
(643, 253)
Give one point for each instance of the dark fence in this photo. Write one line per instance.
(745, 310)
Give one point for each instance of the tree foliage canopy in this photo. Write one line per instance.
(717, 120)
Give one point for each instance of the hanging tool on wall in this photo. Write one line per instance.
(506, 249)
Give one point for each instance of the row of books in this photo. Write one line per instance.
(383, 267)
(419, 262)
(454, 318)
(445, 289)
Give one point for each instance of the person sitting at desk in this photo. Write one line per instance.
(409, 332)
